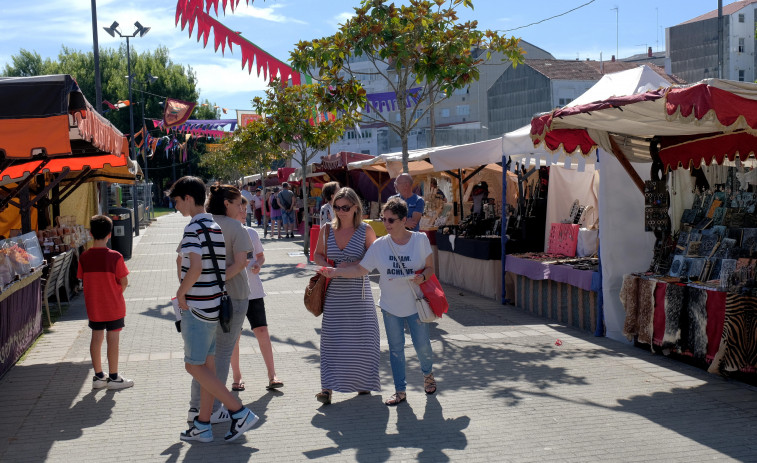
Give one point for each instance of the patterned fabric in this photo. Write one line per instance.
(205, 295)
(738, 346)
(349, 331)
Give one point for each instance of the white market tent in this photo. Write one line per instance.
(392, 162)
(713, 120)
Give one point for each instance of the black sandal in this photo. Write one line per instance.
(396, 398)
(324, 397)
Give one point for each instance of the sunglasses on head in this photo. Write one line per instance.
(391, 220)
(342, 208)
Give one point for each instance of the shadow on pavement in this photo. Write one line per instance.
(27, 388)
(361, 424)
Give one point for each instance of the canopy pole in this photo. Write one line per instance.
(626, 165)
(460, 192)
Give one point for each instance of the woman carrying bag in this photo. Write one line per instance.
(349, 331)
(397, 256)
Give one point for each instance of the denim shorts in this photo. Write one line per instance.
(287, 217)
(199, 338)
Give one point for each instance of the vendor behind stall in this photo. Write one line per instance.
(415, 204)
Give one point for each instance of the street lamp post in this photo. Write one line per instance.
(139, 31)
(150, 80)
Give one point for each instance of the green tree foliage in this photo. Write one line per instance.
(292, 117)
(174, 81)
(420, 43)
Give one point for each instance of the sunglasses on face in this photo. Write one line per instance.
(390, 220)
(342, 208)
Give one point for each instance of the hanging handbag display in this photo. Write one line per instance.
(425, 314)
(315, 293)
(224, 310)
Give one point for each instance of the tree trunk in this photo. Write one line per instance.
(405, 154)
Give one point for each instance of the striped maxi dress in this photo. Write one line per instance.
(349, 330)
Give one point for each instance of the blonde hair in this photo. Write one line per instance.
(350, 195)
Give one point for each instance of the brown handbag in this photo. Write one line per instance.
(315, 293)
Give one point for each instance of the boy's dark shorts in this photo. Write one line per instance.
(113, 325)
(256, 313)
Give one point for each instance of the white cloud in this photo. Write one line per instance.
(341, 18)
(222, 78)
(266, 14)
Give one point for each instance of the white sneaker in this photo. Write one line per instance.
(197, 432)
(220, 416)
(119, 383)
(240, 424)
(99, 383)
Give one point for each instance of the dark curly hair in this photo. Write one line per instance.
(396, 206)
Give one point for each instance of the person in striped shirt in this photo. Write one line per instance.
(199, 296)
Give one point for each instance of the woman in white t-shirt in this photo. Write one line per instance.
(255, 315)
(398, 256)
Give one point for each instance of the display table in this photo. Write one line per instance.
(473, 264)
(557, 292)
(704, 323)
(20, 318)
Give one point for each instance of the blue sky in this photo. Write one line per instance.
(276, 25)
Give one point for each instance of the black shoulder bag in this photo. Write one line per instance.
(224, 310)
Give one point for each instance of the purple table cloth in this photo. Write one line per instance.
(536, 270)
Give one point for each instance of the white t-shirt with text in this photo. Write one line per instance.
(396, 297)
(256, 284)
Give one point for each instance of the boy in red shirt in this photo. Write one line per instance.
(104, 272)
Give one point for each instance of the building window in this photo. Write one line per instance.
(741, 75)
(462, 110)
(398, 117)
(445, 112)
(741, 17)
(564, 101)
(741, 45)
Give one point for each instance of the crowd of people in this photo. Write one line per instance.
(220, 256)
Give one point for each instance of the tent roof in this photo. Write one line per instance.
(418, 162)
(712, 107)
(640, 79)
(49, 116)
(469, 155)
(104, 167)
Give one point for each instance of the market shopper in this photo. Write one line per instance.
(225, 202)
(349, 327)
(275, 208)
(415, 204)
(256, 316)
(257, 206)
(199, 296)
(327, 210)
(287, 205)
(247, 194)
(398, 256)
(105, 277)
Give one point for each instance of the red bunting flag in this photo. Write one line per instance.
(189, 12)
(176, 112)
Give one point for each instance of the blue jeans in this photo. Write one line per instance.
(224, 347)
(199, 338)
(395, 334)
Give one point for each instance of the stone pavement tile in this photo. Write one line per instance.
(506, 392)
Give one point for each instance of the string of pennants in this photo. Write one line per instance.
(195, 13)
(549, 160)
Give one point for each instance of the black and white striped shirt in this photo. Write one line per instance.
(204, 297)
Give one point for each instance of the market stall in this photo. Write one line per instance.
(554, 283)
(52, 142)
(696, 295)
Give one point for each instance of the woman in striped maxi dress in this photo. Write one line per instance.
(349, 331)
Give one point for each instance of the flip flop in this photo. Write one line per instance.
(274, 384)
(237, 386)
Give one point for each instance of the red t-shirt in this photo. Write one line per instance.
(101, 269)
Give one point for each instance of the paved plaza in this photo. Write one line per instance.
(507, 390)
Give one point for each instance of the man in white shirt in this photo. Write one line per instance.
(248, 196)
(257, 200)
